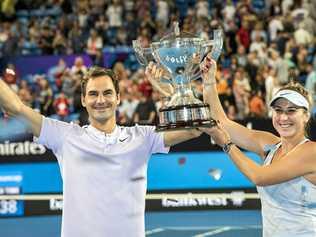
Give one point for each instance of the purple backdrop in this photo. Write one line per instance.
(40, 64)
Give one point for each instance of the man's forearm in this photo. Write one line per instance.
(174, 137)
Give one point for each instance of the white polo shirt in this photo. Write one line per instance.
(104, 176)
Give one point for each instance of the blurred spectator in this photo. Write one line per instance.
(310, 21)
(299, 12)
(243, 36)
(45, 97)
(142, 7)
(69, 84)
(121, 36)
(259, 46)
(26, 97)
(114, 14)
(202, 9)
(102, 26)
(272, 85)
(83, 17)
(162, 14)
(57, 70)
(10, 46)
(275, 26)
(61, 106)
(59, 44)
(145, 87)
(46, 40)
(78, 66)
(94, 46)
(241, 91)
(130, 26)
(120, 71)
(97, 7)
(280, 65)
(241, 56)
(127, 108)
(310, 83)
(8, 9)
(223, 88)
(76, 38)
(231, 111)
(301, 62)
(257, 107)
(229, 11)
(259, 33)
(302, 36)
(9, 76)
(148, 24)
(286, 5)
(4, 32)
(145, 112)
(252, 65)
(230, 37)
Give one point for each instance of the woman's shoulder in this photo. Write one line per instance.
(308, 149)
(311, 145)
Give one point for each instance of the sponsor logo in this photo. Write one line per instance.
(122, 140)
(285, 93)
(236, 199)
(11, 178)
(55, 204)
(10, 190)
(21, 148)
(194, 202)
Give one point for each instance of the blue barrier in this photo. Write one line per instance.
(175, 171)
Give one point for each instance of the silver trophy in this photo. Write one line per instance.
(180, 55)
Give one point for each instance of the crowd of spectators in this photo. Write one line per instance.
(266, 44)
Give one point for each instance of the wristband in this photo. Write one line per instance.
(226, 148)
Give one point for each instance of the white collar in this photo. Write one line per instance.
(108, 138)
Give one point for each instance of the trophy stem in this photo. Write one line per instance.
(183, 95)
(183, 89)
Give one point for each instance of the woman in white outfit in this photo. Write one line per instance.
(286, 181)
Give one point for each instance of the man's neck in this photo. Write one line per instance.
(106, 127)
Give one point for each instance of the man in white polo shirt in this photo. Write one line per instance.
(103, 165)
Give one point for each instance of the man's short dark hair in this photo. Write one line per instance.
(95, 72)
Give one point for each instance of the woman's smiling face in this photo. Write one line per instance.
(289, 119)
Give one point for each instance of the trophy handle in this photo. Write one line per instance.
(166, 77)
(217, 45)
(143, 55)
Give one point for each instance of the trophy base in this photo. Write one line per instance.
(184, 117)
(185, 125)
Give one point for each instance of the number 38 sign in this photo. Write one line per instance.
(11, 184)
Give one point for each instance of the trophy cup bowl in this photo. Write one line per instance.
(180, 54)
